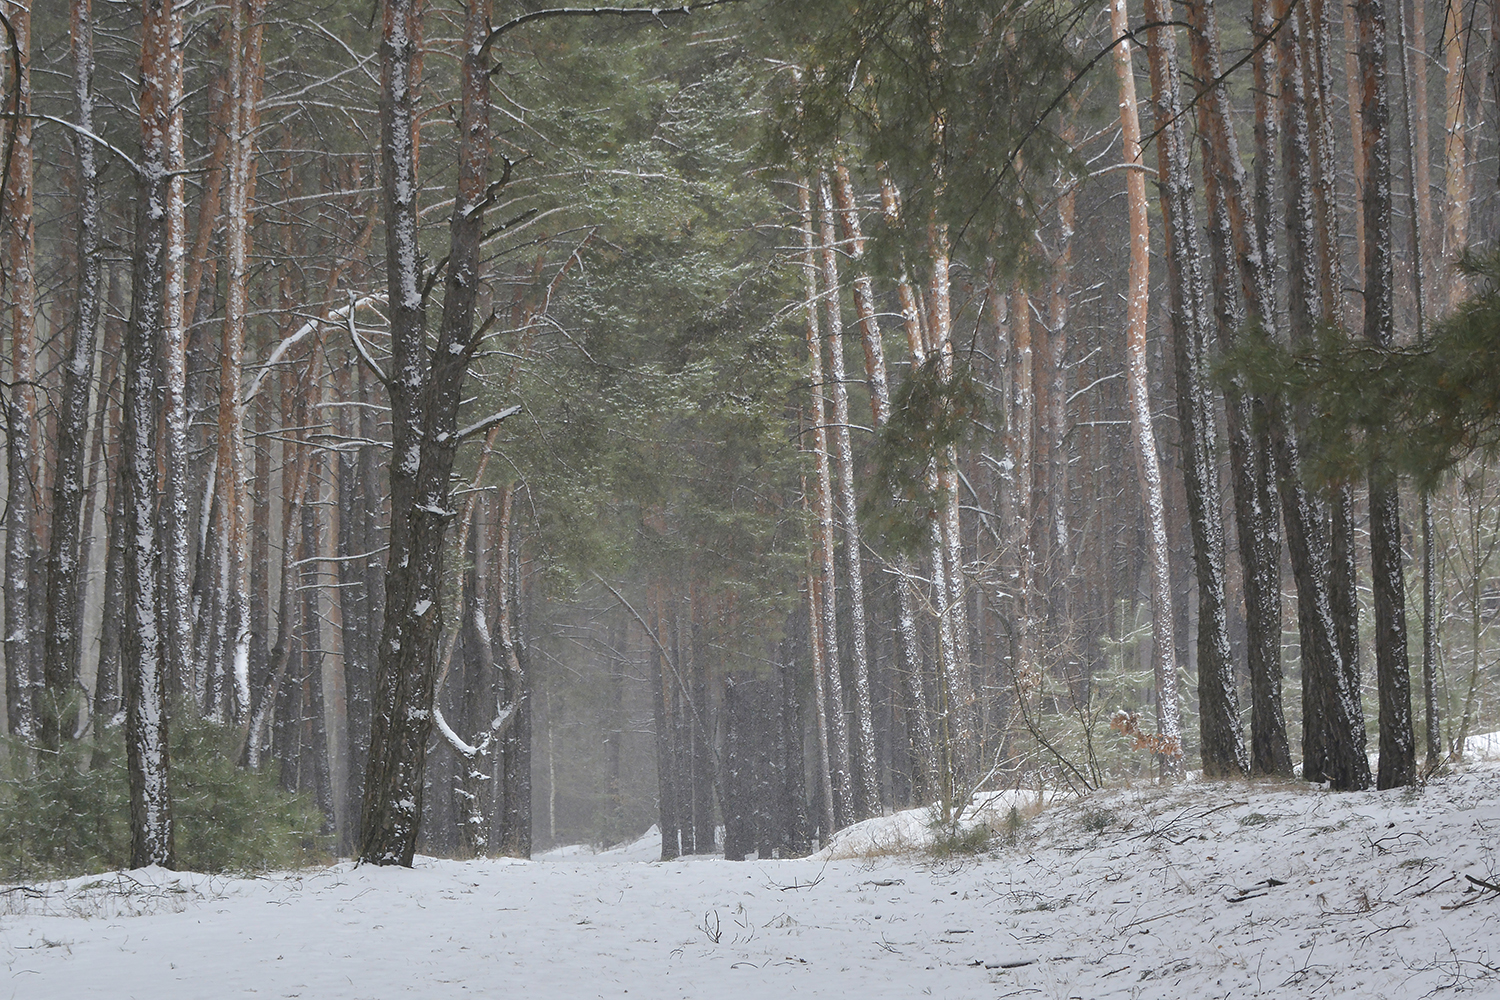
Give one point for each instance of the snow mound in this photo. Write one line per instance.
(913, 830)
(646, 847)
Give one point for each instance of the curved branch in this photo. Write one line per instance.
(555, 12)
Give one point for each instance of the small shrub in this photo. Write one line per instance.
(231, 819)
(68, 813)
(1096, 821)
(63, 814)
(1013, 825)
(955, 841)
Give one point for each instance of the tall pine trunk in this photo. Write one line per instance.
(1397, 746)
(866, 797)
(22, 701)
(1238, 264)
(1137, 303)
(1223, 747)
(831, 711)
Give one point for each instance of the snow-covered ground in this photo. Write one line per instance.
(1205, 890)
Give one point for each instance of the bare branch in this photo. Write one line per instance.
(486, 423)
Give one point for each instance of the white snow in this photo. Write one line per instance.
(1204, 889)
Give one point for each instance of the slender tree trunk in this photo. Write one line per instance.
(23, 705)
(947, 531)
(247, 17)
(1414, 65)
(1397, 747)
(835, 719)
(666, 795)
(866, 784)
(1137, 303)
(827, 820)
(1456, 187)
(514, 835)
(1414, 97)
(168, 197)
(107, 457)
(880, 408)
(64, 610)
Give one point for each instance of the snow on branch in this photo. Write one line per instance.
(486, 423)
(303, 332)
(541, 15)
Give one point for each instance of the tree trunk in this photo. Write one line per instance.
(27, 713)
(1236, 260)
(107, 443)
(666, 793)
(880, 408)
(248, 73)
(513, 836)
(149, 343)
(1137, 303)
(60, 657)
(827, 636)
(1223, 747)
(1397, 746)
(425, 390)
(866, 784)
(1456, 187)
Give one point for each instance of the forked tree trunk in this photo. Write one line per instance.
(833, 716)
(425, 389)
(1223, 747)
(866, 798)
(1236, 263)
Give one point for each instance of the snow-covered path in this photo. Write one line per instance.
(1205, 890)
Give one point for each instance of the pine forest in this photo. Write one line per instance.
(464, 428)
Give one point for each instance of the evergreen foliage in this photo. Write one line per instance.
(1422, 407)
(67, 813)
(945, 97)
(930, 412)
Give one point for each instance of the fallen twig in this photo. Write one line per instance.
(1483, 884)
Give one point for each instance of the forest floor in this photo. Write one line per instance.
(1202, 890)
